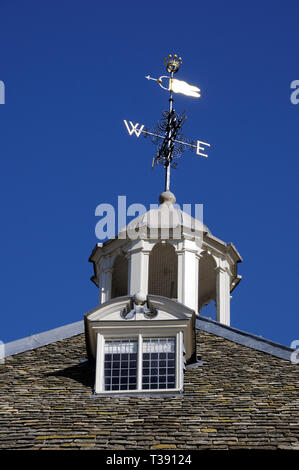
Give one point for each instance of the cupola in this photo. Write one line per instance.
(167, 252)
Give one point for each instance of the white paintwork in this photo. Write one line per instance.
(139, 335)
(167, 309)
(179, 360)
(188, 257)
(223, 296)
(172, 317)
(99, 379)
(138, 258)
(105, 286)
(139, 363)
(105, 278)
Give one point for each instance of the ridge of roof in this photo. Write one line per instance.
(242, 337)
(42, 339)
(202, 323)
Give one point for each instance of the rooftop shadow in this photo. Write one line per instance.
(83, 373)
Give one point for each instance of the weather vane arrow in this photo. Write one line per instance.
(167, 134)
(177, 86)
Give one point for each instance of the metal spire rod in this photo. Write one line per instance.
(172, 66)
(168, 161)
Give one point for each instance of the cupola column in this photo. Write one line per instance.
(188, 258)
(105, 280)
(223, 295)
(138, 258)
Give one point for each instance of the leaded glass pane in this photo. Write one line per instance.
(158, 363)
(120, 364)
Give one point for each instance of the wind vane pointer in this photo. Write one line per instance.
(167, 134)
(177, 86)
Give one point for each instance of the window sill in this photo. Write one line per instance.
(138, 393)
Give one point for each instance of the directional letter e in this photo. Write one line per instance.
(2, 92)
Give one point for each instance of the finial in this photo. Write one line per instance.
(139, 298)
(172, 63)
(167, 197)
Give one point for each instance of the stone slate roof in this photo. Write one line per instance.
(238, 398)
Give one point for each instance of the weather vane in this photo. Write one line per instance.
(167, 134)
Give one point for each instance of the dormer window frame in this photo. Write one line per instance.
(139, 334)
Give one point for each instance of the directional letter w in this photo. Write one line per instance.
(134, 128)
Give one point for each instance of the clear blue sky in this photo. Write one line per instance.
(73, 71)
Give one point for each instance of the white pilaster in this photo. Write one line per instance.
(138, 259)
(99, 378)
(188, 274)
(102, 293)
(105, 281)
(108, 280)
(222, 296)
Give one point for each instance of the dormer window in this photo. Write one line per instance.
(142, 363)
(140, 344)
